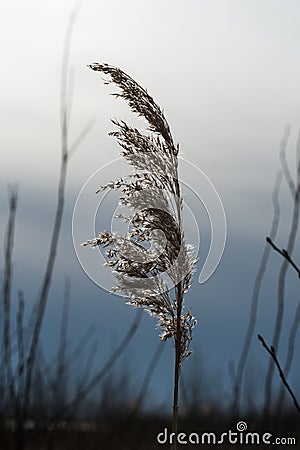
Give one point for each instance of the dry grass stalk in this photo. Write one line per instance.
(152, 193)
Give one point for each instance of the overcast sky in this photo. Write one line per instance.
(226, 73)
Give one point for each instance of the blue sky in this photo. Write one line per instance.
(227, 75)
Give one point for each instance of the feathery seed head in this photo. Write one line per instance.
(152, 193)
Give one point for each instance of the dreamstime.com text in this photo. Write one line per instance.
(240, 436)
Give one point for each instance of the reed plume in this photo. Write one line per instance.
(156, 278)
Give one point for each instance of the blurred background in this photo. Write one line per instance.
(227, 75)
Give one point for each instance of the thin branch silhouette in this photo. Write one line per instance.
(80, 138)
(45, 286)
(282, 281)
(290, 354)
(20, 342)
(284, 164)
(285, 254)
(238, 380)
(7, 287)
(105, 369)
(272, 353)
(152, 365)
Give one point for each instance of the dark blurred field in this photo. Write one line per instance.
(141, 433)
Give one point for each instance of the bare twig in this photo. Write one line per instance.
(292, 338)
(59, 387)
(290, 353)
(285, 254)
(272, 353)
(20, 339)
(238, 381)
(283, 160)
(116, 354)
(79, 349)
(7, 285)
(281, 282)
(88, 366)
(153, 363)
(71, 359)
(74, 146)
(44, 290)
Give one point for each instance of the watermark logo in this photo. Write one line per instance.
(241, 426)
(240, 436)
(97, 212)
